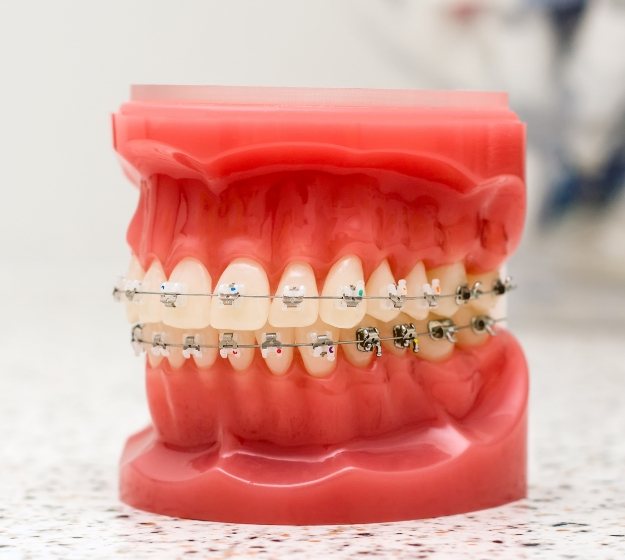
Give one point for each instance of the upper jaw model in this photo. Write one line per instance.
(317, 280)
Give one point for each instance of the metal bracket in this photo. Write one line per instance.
(368, 339)
(442, 329)
(191, 346)
(228, 345)
(405, 336)
(270, 345)
(159, 346)
(483, 323)
(323, 347)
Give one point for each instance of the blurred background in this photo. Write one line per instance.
(65, 66)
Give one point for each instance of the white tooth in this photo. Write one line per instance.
(380, 283)
(278, 360)
(354, 356)
(135, 274)
(316, 365)
(150, 306)
(244, 313)
(241, 358)
(344, 273)
(486, 302)
(415, 280)
(430, 349)
(207, 337)
(189, 276)
(300, 276)
(450, 277)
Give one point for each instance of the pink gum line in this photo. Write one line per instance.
(319, 217)
(457, 463)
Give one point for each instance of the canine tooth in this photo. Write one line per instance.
(345, 278)
(241, 358)
(300, 276)
(189, 312)
(416, 308)
(354, 356)
(150, 306)
(207, 337)
(278, 359)
(430, 349)
(243, 313)
(134, 275)
(380, 283)
(450, 277)
(321, 361)
(486, 302)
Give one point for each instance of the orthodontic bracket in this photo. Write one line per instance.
(323, 347)
(191, 346)
(136, 339)
(353, 294)
(270, 345)
(368, 339)
(405, 336)
(170, 292)
(483, 323)
(293, 296)
(397, 293)
(432, 293)
(442, 329)
(228, 345)
(159, 346)
(229, 293)
(501, 287)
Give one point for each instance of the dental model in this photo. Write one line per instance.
(317, 282)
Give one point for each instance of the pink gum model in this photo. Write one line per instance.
(310, 176)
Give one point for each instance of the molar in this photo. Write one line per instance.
(380, 283)
(135, 274)
(318, 365)
(467, 336)
(346, 272)
(450, 276)
(150, 306)
(278, 360)
(242, 313)
(297, 275)
(190, 312)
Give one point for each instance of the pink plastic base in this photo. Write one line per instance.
(441, 466)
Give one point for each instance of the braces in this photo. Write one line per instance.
(293, 296)
(367, 339)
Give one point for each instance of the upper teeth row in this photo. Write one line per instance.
(242, 299)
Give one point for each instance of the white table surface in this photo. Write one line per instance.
(71, 392)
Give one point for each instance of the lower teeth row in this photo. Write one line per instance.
(366, 339)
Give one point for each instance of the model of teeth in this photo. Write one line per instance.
(320, 297)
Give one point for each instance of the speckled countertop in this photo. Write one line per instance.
(71, 392)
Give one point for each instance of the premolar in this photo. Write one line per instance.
(150, 306)
(317, 366)
(346, 272)
(430, 349)
(190, 312)
(378, 285)
(244, 313)
(297, 275)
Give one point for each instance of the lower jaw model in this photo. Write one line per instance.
(323, 346)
